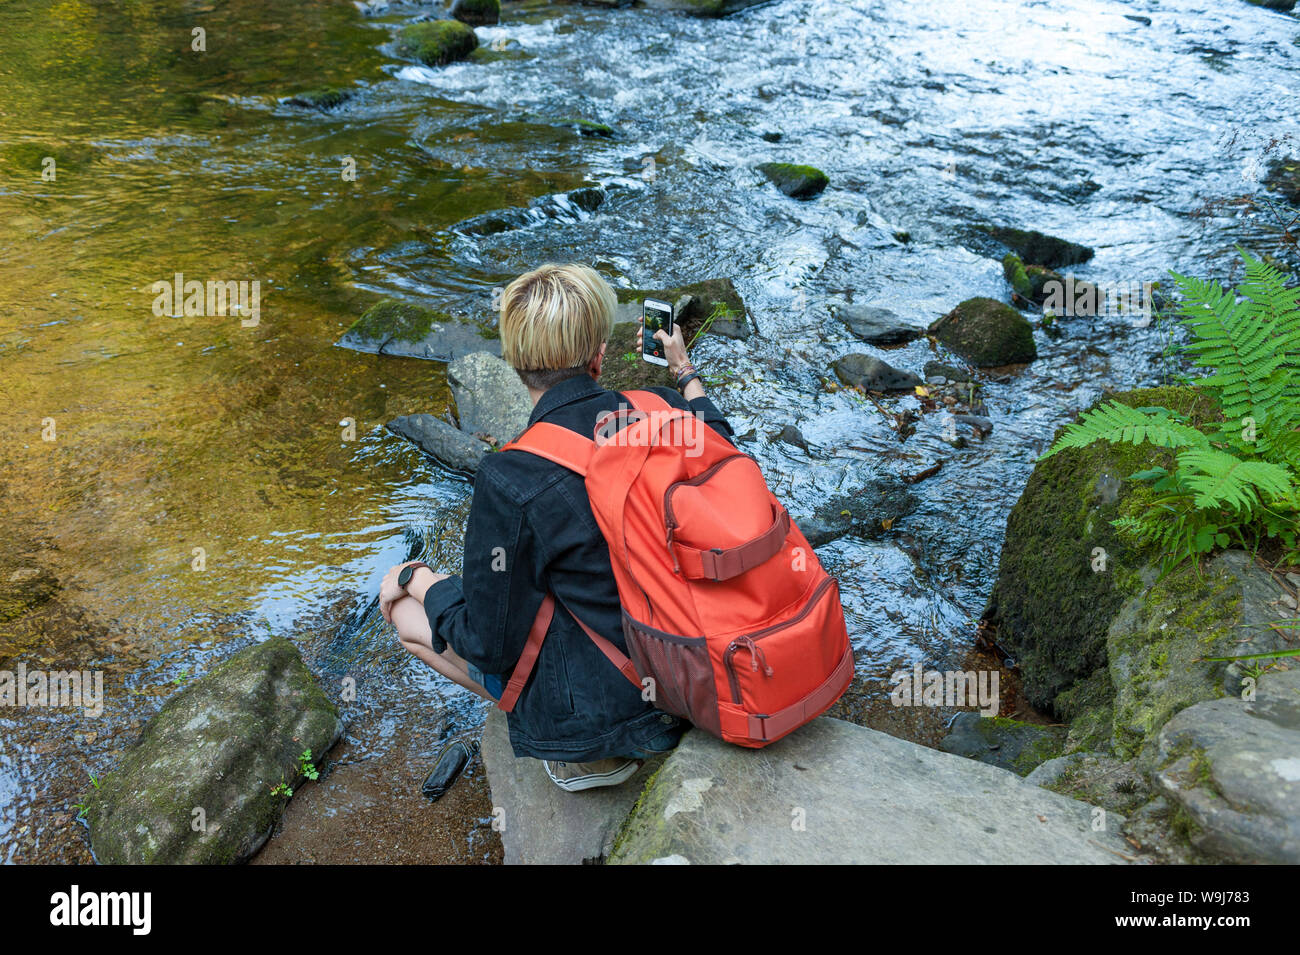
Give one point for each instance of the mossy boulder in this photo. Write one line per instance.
(587, 127)
(324, 98)
(199, 788)
(1064, 572)
(437, 42)
(393, 327)
(987, 333)
(476, 13)
(1158, 643)
(1033, 248)
(1037, 285)
(797, 182)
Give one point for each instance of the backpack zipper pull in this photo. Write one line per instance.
(756, 656)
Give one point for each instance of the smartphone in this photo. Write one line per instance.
(654, 316)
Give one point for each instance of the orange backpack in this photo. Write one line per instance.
(729, 618)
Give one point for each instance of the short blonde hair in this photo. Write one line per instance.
(555, 318)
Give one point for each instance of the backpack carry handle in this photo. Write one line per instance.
(723, 563)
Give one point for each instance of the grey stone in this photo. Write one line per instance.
(793, 436)
(877, 326)
(937, 369)
(872, 374)
(1009, 744)
(490, 398)
(221, 745)
(838, 793)
(544, 825)
(449, 447)
(1234, 767)
(392, 327)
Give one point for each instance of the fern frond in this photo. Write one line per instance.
(1116, 423)
(1218, 479)
(1247, 344)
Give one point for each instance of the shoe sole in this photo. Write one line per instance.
(595, 780)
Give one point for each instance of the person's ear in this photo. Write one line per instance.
(596, 362)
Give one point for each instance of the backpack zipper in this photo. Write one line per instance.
(756, 656)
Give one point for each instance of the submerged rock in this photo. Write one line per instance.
(1283, 5)
(437, 42)
(391, 327)
(325, 98)
(797, 182)
(449, 447)
(23, 585)
(1234, 769)
(872, 374)
(1008, 744)
(1283, 177)
(833, 792)
(561, 207)
(198, 788)
(868, 511)
(987, 333)
(490, 398)
(877, 326)
(1033, 248)
(477, 13)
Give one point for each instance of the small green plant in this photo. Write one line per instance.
(1237, 478)
(306, 767)
(720, 310)
(282, 789)
(631, 356)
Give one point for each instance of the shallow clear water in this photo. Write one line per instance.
(177, 433)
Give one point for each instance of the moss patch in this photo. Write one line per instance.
(797, 182)
(390, 320)
(437, 42)
(324, 98)
(987, 333)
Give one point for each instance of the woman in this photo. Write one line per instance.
(531, 530)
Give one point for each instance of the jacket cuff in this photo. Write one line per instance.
(438, 599)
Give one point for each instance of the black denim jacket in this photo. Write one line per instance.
(531, 529)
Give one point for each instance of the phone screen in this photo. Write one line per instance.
(654, 318)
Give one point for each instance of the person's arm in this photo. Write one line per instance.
(486, 611)
(696, 398)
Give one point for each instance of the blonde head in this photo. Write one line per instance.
(555, 318)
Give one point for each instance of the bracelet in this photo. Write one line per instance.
(686, 369)
(683, 382)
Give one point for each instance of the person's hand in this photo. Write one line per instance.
(674, 348)
(390, 591)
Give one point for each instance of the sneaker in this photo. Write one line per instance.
(575, 777)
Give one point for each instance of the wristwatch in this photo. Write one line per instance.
(406, 573)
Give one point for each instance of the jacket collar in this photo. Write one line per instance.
(566, 392)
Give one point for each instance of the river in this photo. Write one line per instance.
(177, 434)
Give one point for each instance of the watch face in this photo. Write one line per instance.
(404, 575)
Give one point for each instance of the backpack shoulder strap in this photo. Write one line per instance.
(556, 443)
(537, 634)
(647, 401)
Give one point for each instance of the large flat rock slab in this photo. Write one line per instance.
(834, 792)
(544, 825)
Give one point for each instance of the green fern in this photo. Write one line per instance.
(1239, 478)
(1118, 423)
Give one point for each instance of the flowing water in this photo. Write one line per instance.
(178, 433)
